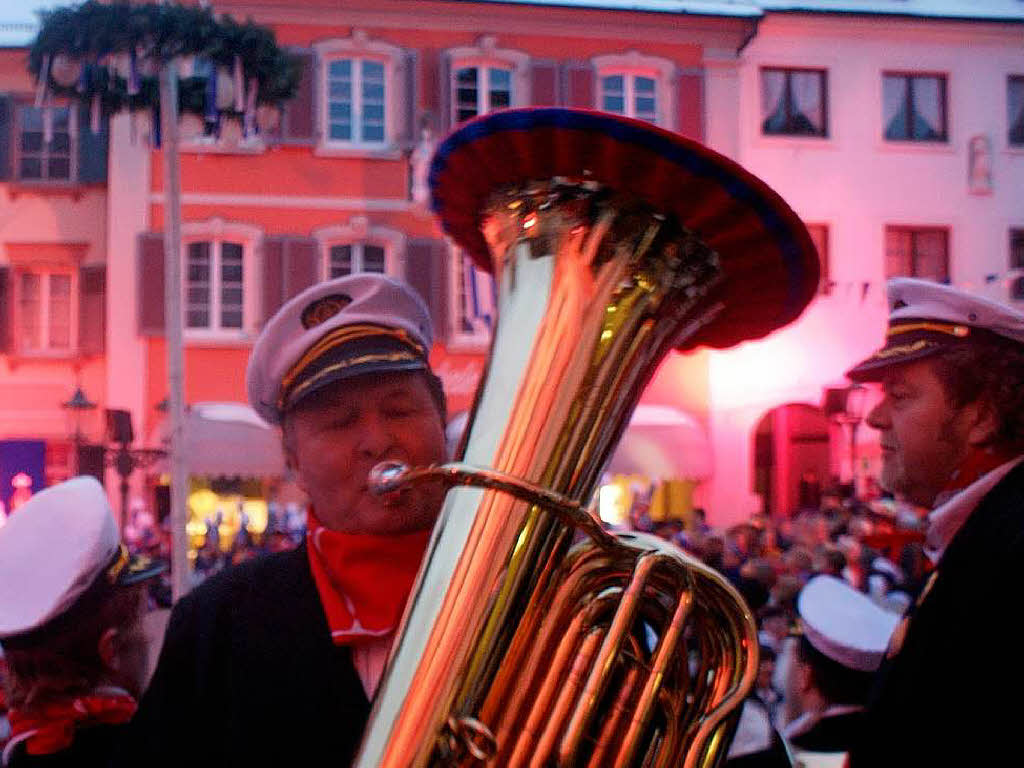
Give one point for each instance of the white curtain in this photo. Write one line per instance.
(773, 87)
(928, 103)
(807, 97)
(894, 98)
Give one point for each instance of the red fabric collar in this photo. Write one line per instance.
(363, 580)
(977, 463)
(51, 727)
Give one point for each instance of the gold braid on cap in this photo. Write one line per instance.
(952, 329)
(118, 565)
(344, 335)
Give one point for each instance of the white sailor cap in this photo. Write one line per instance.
(54, 548)
(927, 317)
(843, 624)
(350, 326)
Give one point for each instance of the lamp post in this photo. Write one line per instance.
(78, 406)
(125, 459)
(845, 405)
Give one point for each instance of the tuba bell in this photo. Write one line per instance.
(534, 637)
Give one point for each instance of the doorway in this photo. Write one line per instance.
(791, 458)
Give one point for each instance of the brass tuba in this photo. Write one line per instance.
(533, 636)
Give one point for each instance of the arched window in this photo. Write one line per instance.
(485, 78)
(358, 246)
(635, 85)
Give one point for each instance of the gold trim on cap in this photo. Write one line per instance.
(390, 357)
(952, 329)
(338, 336)
(903, 349)
(122, 560)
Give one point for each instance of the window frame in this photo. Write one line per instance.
(358, 231)
(45, 272)
(358, 48)
(1012, 80)
(910, 76)
(18, 154)
(485, 54)
(631, 65)
(217, 232)
(460, 340)
(916, 230)
(788, 72)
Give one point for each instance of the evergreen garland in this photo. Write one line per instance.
(95, 37)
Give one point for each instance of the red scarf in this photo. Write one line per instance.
(364, 580)
(51, 727)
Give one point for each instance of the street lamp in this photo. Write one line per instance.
(78, 406)
(125, 459)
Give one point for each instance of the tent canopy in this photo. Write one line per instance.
(230, 439)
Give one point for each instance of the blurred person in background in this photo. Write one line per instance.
(72, 602)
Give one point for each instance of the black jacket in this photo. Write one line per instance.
(945, 698)
(248, 676)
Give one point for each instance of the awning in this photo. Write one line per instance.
(230, 439)
(661, 442)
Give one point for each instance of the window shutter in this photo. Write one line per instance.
(544, 84)
(272, 263)
(92, 325)
(6, 135)
(690, 104)
(300, 265)
(578, 85)
(6, 315)
(92, 148)
(151, 284)
(425, 262)
(444, 72)
(408, 132)
(297, 123)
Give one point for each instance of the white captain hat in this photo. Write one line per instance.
(927, 317)
(342, 328)
(54, 548)
(843, 624)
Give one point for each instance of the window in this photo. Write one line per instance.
(361, 92)
(793, 102)
(46, 311)
(1017, 264)
(635, 85)
(45, 143)
(475, 306)
(914, 107)
(485, 78)
(1015, 109)
(630, 95)
(356, 103)
(917, 252)
(819, 235)
(479, 90)
(359, 246)
(351, 258)
(214, 285)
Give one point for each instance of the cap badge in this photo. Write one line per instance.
(323, 309)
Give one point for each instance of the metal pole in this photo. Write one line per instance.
(173, 324)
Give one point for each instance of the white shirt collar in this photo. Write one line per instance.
(946, 520)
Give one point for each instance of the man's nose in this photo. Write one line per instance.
(375, 438)
(878, 417)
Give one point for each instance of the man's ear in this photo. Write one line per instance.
(983, 425)
(108, 647)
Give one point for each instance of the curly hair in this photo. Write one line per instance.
(989, 368)
(62, 657)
